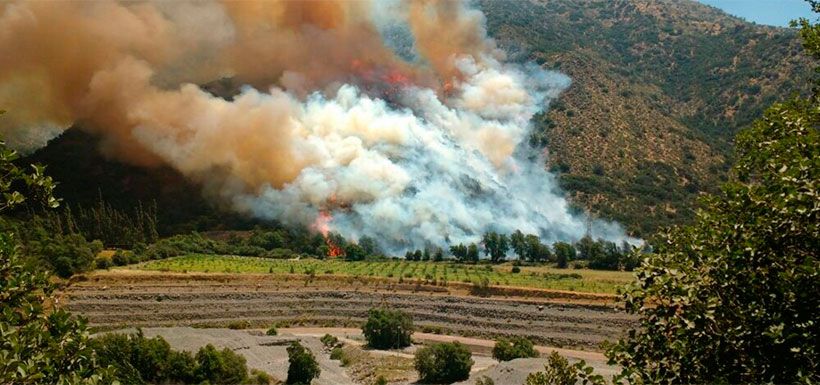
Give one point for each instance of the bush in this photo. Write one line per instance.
(239, 325)
(516, 269)
(516, 347)
(329, 341)
(260, 378)
(558, 371)
(103, 262)
(271, 331)
(443, 363)
(337, 353)
(380, 381)
(303, 367)
(121, 258)
(484, 380)
(388, 329)
(220, 367)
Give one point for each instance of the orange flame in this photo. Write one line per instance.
(333, 250)
(322, 225)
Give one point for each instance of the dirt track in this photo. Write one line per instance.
(121, 299)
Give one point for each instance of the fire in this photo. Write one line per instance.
(322, 225)
(333, 250)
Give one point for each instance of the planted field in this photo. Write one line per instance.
(540, 277)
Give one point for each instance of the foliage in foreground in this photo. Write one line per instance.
(734, 297)
(443, 363)
(388, 329)
(39, 345)
(507, 349)
(303, 366)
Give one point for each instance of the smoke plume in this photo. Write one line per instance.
(398, 120)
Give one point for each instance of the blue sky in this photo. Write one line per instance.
(771, 12)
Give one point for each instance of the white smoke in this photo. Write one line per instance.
(424, 147)
(432, 171)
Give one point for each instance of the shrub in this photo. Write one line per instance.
(260, 378)
(443, 363)
(516, 347)
(484, 380)
(239, 325)
(271, 331)
(481, 287)
(558, 371)
(388, 329)
(329, 341)
(220, 367)
(303, 367)
(380, 381)
(337, 353)
(516, 269)
(103, 262)
(121, 258)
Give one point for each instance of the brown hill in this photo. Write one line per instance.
(660, 87)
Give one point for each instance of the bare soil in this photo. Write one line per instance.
(118, 299)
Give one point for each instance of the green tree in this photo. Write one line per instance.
(564, 252)
(459, 251)
(443, 363)
(734, 297)
(519, 245)
(495, 245)
(303, 367)
(536, 251)
(388, 329)
(472, 253)
(354, 252)
(369, 246)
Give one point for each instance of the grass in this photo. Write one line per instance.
(541, 277)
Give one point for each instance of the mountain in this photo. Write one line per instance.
(85, 177)
(660, 87)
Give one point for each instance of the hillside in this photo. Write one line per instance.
(659, 90)
(85, 176)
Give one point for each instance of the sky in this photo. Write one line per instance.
(770, 12)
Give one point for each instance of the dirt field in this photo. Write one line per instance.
(117, 299)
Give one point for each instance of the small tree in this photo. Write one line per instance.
(472, 253)
(303, 366)
(388, 329)
(516, 347)
(443, 363)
